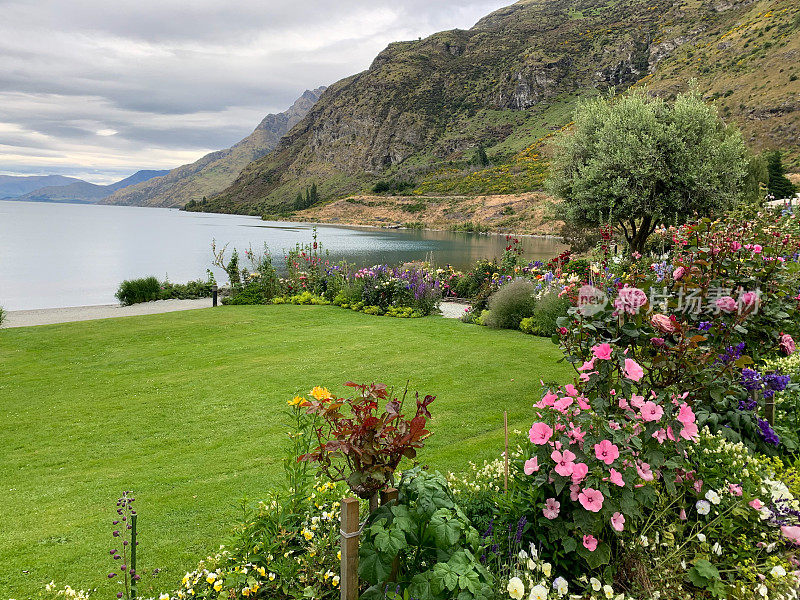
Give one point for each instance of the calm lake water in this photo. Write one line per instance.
(58, 255)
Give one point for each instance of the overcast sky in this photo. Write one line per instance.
(98, 89)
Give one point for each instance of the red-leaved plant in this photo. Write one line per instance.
(364, 448)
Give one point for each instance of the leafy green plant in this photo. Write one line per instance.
(133, 291)
(546, 313)
(2, 315)
(424, 544)
(510, 304)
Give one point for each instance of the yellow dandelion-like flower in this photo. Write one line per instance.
(321, 393)
(295, 401)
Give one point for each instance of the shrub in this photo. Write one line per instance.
(546, 313)
(133, 291)
(2, 315)
(510, 304)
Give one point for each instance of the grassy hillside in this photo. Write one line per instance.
(418, 118)
(186, 409)
(214, 172)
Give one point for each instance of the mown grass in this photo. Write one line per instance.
(186, 409)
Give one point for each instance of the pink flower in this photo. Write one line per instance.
(749, 298)
(685, 414)
(660, 435)
(618, 521)
(574, 491)
(616, 478)
(757, 248)
(756, 503)
(643, 469)
(698, 486)
(787, 344)
(531, 466)
(549, 399)
(551, 508)
(682, 515)
(736, 246)
(651, 412)
(637, 401)
(606, 452)
(583, 404)
(540, 434)
(591, 499)
(564, 462)
(602, 351)
(663, 323)
(735, 489)
(576, 434)
(791, 532)
(726, 304)
(579, 472)
(587, 366)
(630, 300)
(690, 432)
(633, 370)
(571, 390)
(563, 404)
(590, 543)
(678, 273)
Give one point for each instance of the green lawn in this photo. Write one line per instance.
(186, 409)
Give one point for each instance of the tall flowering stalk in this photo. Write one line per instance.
(124, 550)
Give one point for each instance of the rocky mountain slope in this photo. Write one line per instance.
(471, 112)
(215, 171)
(14, 186)
(82, 191)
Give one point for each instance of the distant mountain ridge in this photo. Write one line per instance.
(217, 170)
(14, 186)
(83, 191)
(424, 112)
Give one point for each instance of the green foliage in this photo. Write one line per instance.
(2, 315)
(510, 304)
(779, 185)
(431, 539)
(307, 198)
(546, 313)
(638, 162)
(133, 291)
(393, 186)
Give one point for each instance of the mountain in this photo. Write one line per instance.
(473, 112)
(215, 171)
(14, 186)
(84, 192)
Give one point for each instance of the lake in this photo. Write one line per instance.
(59, 255)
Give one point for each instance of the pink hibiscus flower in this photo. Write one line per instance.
(686, 414)
(791, 532)
(616, 478)
(651, 412)
(643, 469)
(660, 435)
(590, 543)
(579, 472)
(540, 434)
(618, 521)
(564, 462)
(690, 432)
(531, 466)
(633, 370)
(551, 508)
(591, 499)
(606, 452)
(571, 390)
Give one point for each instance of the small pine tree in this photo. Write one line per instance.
(481, 157)
(299, 203)
(779, 185)
(313, 196)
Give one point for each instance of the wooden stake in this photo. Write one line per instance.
(505, 427)
(349, 568)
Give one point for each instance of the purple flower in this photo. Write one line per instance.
(768, 433)
(115, 534)
(751, 380)
(704, 326)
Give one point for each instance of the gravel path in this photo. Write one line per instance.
(453, 310)
(48, 316)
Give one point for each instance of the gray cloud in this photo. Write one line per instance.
(175, 79)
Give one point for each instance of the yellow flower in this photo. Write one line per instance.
(211, 578)
(321, 393)
(295, 401)
(335, 580)
(308, 534)
(272, 576)
(218, 586)
(339, 555)
(262, 571)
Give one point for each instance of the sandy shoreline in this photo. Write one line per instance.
(50, 316)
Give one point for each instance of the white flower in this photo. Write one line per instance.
(163, 597)
(701, 537)
(539, 592)
(703, 507)
(561, 586)
(546, 568)
(645, 542)
(596, 585)
(712, 497)
(531, 565)
(515, 588)
(608, 591)
(717, 549)
(778, 571)
(762, 589)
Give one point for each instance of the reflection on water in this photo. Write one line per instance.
(54, 255)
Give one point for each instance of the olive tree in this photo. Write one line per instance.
(637, 161)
